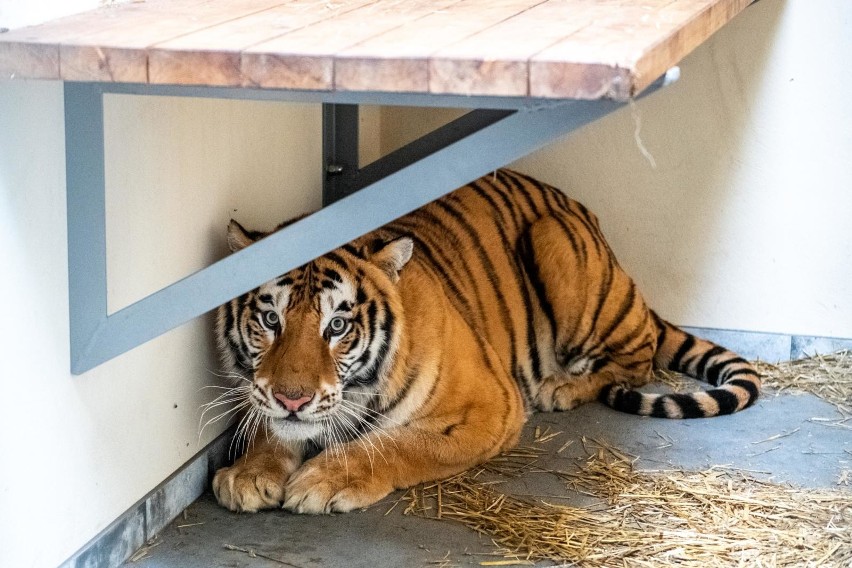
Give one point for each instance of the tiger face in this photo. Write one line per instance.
(316, 343)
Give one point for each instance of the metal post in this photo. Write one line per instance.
(84, 174)
(339, 149)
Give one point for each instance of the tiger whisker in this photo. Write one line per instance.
(380, 431)
(350, 412)
(225, 399)
(235, 391)
(364, 440)
(240, 435)
(337, 446)
(373, 412)
(221, 415)
(229, 375)
(365, 394)
(354, 430)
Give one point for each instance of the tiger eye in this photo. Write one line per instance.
(337, 325)
(271, 319)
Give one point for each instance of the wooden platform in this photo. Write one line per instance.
(584, 49)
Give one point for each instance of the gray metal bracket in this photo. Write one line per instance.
(360, 200)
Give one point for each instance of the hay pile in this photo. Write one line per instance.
(702, 519)
(713, 518)
(827, 376)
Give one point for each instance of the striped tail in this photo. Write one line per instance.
(737, 384)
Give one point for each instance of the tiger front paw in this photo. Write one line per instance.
(324, 486)
(246, 488)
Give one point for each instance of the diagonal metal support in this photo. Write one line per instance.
(396, 185)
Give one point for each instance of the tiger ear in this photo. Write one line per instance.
(393, 255)
(238, 237)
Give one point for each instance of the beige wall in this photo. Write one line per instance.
(746, 221)
(78, 451)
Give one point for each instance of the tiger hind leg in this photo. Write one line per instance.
(602, 329)
(567, 391)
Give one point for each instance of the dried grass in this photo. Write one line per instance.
(827, 376)
(703, 519)
(716, 518)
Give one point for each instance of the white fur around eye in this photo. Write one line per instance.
(333, 297)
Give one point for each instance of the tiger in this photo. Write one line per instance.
(418, 350)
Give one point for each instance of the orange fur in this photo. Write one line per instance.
(416, 351)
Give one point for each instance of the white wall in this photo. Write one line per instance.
(746, 222)
(78, 451)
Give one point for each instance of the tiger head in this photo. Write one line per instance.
(312, 346)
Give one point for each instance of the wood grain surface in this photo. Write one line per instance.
(585, 49)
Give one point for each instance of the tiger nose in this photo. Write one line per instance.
(293, 404)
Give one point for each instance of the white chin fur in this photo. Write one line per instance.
(297, 431)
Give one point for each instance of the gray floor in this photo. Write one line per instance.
(811, 453)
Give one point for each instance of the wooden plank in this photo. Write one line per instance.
(544, 48)
(33, 52)
(495, 61)
(185, 58)
(278, 62)
(403, 52)
(684, 38)
(87, 57)
(28, 61)
(598, 60)
(619, 56)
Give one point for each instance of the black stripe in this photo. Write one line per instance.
(563, 216)
(490, 193)
(333, 274)
(337, 259)
(745, 371)
(753, 390)
(493, 277)
(701, 366)
(445, 263)
(626, 400)
(367, 319)
(626, 305)
(351, 249)
(410, 379)
(228, 310)
(388, 327)
(518, 186)
(521, 287)
(662, 329)
(658, 410)
(714, 373)
(689, 406)
(688, 343)
(604, 291)
(531, 268)
(726, 400)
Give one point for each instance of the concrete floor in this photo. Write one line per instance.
(812, 456)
